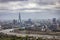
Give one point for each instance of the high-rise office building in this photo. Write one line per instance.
(54, 25)
(14, 21)
(54, 20)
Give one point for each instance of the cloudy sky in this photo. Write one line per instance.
(34, 9)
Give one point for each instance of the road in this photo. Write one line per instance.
(7, 31)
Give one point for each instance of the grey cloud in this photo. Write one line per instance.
(44, 2)
(30, 9)
(39, 2)
(11, 0)
(4, 8)
(48, 2)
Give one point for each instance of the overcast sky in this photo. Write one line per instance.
(34, 9)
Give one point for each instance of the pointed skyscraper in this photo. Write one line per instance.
(20, 20)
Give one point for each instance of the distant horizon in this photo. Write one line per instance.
(27, 19)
